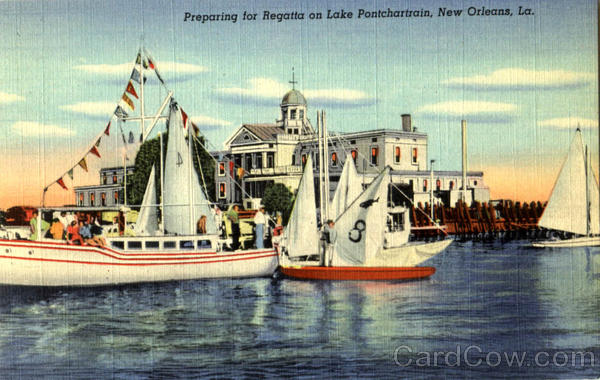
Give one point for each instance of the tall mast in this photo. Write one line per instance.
(587, 193)
(325, 206)
(190, 177)
(162, 186)
(142, 116)
(320, 167)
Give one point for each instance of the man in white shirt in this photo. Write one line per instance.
(259, 231)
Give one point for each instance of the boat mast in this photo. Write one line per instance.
(142, 116)
(162, 186)
(325, 205)
(320, 164)
(587, 193)
(190, 168)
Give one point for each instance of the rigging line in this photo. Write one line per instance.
(201, 172)
(343, 141)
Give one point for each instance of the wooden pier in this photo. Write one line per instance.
(500, 219)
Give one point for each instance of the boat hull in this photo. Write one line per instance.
(593, 241)
(357, 273)
(29, 263)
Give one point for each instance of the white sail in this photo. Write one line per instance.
(301, 234)
(360, 229)
(348, 189)
(567, 207)
(185, 202)
(594, 197)
(147, 221)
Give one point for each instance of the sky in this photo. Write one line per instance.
(522, 82)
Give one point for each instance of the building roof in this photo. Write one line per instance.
(265, 132)
(293, 97)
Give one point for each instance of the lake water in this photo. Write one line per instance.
(487, 307)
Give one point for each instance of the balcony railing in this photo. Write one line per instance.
(286, 169)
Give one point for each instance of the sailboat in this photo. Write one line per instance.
(574, 206)
(169, 252)
(368, 245)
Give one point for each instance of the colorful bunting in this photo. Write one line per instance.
(138, 59)
(196, 130)
(107, 130)
(151, 64)
(83, 164)
(97, 144)
(95, 152)
(62, 184)
(129, 102)
(130, 89)
(70, 173)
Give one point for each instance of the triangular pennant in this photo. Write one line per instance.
(83, 164)
(70, 173)
(129, 102)
(62, 184)
(151, 64)
(120, 113)
(130, 89)
(97, 144)
(107, 129)
(95, 152)
(138, 59)
(135, 75)
(196, 130)
(184, 116)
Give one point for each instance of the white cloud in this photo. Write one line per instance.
(568, 123)
(267, 88)
(468, 108)
(6, 98)
(35, 129)
(91, 108)
(126, 68)
(201, 120)
(522, 79)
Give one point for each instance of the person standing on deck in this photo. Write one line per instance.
(259, 231)
(33, 225)
(328, 237)
(235, 226)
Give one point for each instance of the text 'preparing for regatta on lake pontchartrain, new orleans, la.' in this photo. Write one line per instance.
(360, 13)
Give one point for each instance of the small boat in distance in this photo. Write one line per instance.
(573, 207)
(370, 243)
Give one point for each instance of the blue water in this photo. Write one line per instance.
(488, 300)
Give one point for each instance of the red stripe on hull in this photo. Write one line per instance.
(135, 264)
(358, 273)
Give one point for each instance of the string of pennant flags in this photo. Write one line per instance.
(145, 59)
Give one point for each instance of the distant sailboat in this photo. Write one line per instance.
(574, 204)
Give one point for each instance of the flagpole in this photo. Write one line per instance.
(142, 123)
(162, 186)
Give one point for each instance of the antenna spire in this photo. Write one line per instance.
(293, 81)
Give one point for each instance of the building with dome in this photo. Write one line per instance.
(257, 155)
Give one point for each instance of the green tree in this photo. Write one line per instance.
(278, 197)
(149, 154)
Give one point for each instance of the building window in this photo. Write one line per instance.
(354, 154)
(249, 162)
(334, 159)
(374, 155)
(116, 197)
(81, 199)
(259, 164)
(397, 155)
(104, 179)
(222, 190)
(424, 185)
(474, 183)
(115, 179)
(292, 114)
(415, 155)
(301, 114)
(438, 184)
(92, 198)
(295, 131)
(451, 186)
(103, 199)
(270, 160)
(352, 142)
(293, 159)
(304, 159)
(374, 139)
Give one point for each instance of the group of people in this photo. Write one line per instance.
(233, 216)
(78, 229)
